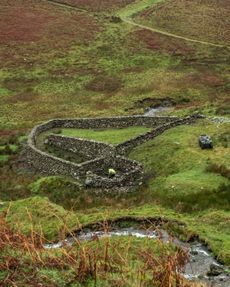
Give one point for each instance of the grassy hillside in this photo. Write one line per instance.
(80, 58)
(203, 20)
(108, 262)
(73, 63)
(185, 178)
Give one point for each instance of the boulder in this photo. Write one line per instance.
(215, 270)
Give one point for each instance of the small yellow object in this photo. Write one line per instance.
(112, 172)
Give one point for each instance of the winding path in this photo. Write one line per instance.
(129, 21)
(62, 4)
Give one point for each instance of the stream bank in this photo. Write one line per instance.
(202, 265)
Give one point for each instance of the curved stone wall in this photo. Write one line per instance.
(127, 146)
(99, 156)
(87, 148)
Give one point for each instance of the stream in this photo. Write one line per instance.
(156, 111)
(202, 266)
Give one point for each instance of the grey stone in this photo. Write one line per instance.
(215, 270)
(99, 156)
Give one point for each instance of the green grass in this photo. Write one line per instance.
(136, 7)
(211, 225)
(4, 157)
(114, 258)
(183, 181)
(192, 191)
(8, 148)
(122, 60)
(177, 150)
(123, 250)
(59, 190)
(184, 190)
(6, 151)
(111, 136)
(111, 73)
(210, 23)
(39, 214)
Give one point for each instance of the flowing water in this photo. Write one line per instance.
(201, 260)
(200, 257)
(154, 112)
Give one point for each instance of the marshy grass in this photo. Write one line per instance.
(114, 261)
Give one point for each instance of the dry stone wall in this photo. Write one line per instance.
(86, 148)
(127, 146)
(110, 122)
(99, 156)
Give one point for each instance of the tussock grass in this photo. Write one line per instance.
(106, 262)
(57, 77)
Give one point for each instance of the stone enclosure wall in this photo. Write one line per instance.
(127, 146)
(99, 156)
(87, 148)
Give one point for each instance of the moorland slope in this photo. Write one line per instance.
(79, 59)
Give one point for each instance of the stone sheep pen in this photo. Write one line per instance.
(99, 156)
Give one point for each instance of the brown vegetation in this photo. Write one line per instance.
(219, 169)
(29, 30)
(157, 42)
(22, 23)
(96, 5)
(204, 20)
(104, 84)
(22, 258)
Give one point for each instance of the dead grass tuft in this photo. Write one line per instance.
(21, 259)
